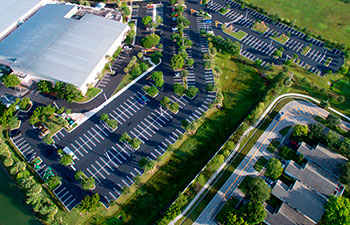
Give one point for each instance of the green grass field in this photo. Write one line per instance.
(305, 50)
(328, 61)
(282, 39)
(342, 87)
(260, 164)
(239, 35)
(329, 18)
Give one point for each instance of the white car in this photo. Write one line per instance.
(177, 74)
(127, 47)
(174, 28)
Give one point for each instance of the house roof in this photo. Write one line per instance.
(323, 157)
(11, 11)
(52, 45)
(286, 215)
(313, 176)
(302, 198)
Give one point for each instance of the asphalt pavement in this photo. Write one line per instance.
(260, 46)
(99, 153)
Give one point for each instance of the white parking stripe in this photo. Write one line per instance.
(89, 140)
(76, 150)
(107, 164)
(93, 136)
(98, 127)
(84, 144)
(97, 133)
(97, 171)
(102, 167)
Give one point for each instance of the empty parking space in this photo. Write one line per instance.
(24, 147)
(66, 197)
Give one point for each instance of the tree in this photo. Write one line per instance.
(11, 80)
(140, 55)
(345, 175)
(104, 117)
(278, 53)
(179, 89)
(156, 56)
(8, 162)
(18, 167)
(66, 159)
(24, 103)
(332, 121)
(258, 190)
(274, 169)
(79, 175)
(150, 41)
(333, 140)
(125, 137)
(177, 62)
(146, 164)
(90, 203)
(165, 101)
(254, 212)
(300, 130)
(316, 133)
(88, 183)
(174, 107)
(341, 99)
(192, 91)
(345, 147)
(147, 20)
(45, 86)
(337, 211)
(135, 143)
(126, 11)
(189, 62)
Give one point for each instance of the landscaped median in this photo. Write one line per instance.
(282, 39)
(260, 27)
(305, 50)
(328, 61)
(239, 35)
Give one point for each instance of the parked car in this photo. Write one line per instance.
(278, 117)
(178, 74)
(174, 29)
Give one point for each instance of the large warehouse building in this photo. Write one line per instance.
(62, 43)
(14, 12)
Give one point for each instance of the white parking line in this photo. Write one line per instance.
(102, 167)
(97, 133)
(107, 164)
(93, 136)
(97, 171)
(98, 127)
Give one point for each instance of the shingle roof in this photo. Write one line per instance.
(53, 47)
(302, 198)
(313, 176)
(323, 157)
(286, 215)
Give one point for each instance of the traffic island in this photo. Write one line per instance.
(239, 35)
(260, 27)
(282, 39)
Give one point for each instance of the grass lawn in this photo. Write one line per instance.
(282, 39)
(305, 50)
(239, 35)
(313, 85)
(328, 61)
(260, 27)
(260, 164)
(342, 87)
(285, 130)
(90, 93)
(330, 18)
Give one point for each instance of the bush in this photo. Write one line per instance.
(66, 159)
(192, 92)
(135, 143)
(174, 107)
(45, 86)
(177, 62)
(11, 80)
(112, 123)
(90, 203)
(151, 90)
(104, 117)
(179, 89)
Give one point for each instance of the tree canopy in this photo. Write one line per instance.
(146, 20)
(254, 212)
(11, 80)
(177, 62)
(274, 169)
(258, 190)
(337, 211)
(300, 130)
(150, 41)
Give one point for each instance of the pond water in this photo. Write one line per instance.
(13, 210)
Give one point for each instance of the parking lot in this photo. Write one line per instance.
(257, 46)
